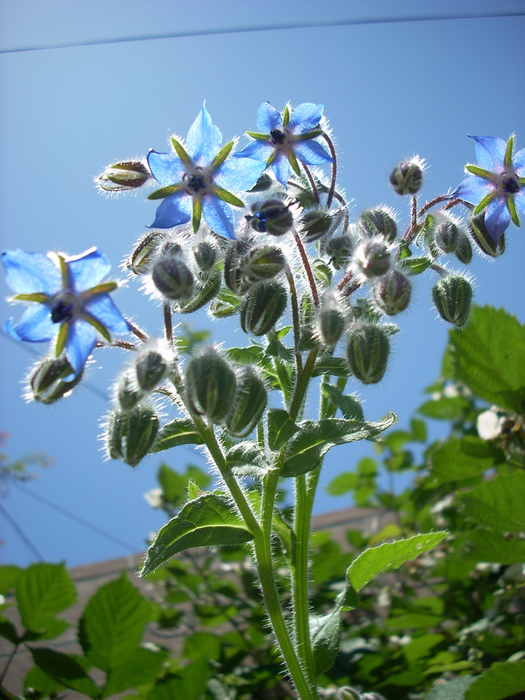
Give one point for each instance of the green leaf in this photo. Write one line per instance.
(280, 428)
(9, 574)
(180, 431)
(8, 630)
(245, 453)
(415, 266)
(377, 560)
(143, 666)
(462, 458)
(113, 623)
(188, 684)
(41, 681)
(444, 408)
(343, 483)
(306, 448)
(488, 357)
(65, 669)
(43, 590)
(452, 690)
(500, 681)
(175, 485)
(335, 366)
(325, 632)
(350, 406)
(490, 546)
(207, 521)
(498, 503)
(203, 295)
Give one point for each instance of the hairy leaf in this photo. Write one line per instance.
(498, 503)
(180, 431)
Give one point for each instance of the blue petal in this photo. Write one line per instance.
(281, 168)
(81, 339)
(473, 189)
(258, 150)
(268, 118)
(239, 174)
(166, 168)
(35, 325)
(497, 218)
(87, 269)
(204, 139)
(30, 273)
(305, 117)
(519, 162)
(311, 152)
(174, 210)
(218, 215)
(105, 311)
(490, 152)
(519, 201)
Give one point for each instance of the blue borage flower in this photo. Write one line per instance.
(497, 183)
(64, 301)
(196, 180)
(286, 139)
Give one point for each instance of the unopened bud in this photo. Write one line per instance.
(317, 223)
(308, 338)
(263, 183)
(210, 385)
(233, 275)
(151, 367)
(331, 322)
(173, 278)
(271, 216)
(140, 260)
(372, 258)
(262, 306)
(205, 254)
(446, 234)
(367, 353)
(48, 382)
(262, 262)
(391, 292)
(124, 176)
(378, 222)
(130, 435)
(452, 297)
(339, 249)
(407, 177)
(483, 238)
(128, 391)
(249, 403)
(463, 250)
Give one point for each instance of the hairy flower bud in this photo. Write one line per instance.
(452, 297)
(233, 275)
(308, 338)
(128, 391)
(367, 353)
(391, 292)
(446, 233)
(262, 262)
(331, 320)
(463, 250)
(271, 216)
(140, 260)
(151, 366)
(263, 183)
(339, 249)
(129, 435)
(173, 278)
(205, 254)
(481, 236)
(319, 222)
(210, 385)
(407, 177)
(47, 381)
(262, 306)
(372, 258)
(378, 222)
(124, 176)
(249, 403)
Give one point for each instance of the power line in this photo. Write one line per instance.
(25, 539)
(264, 28)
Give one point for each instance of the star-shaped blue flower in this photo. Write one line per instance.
(196, 180)
(497, 183)
(286, 139)
(68, 300)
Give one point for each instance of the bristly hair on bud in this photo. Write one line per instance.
(367, 352)
(318, 222)
(407, 177)
(210, 385)
(129, 435)
(123, 177)
(47, 382)
(392, 292)
(378, 222)
(152, 364)
(452, 296)
(444, 232)
(332, 318)
(249, 402)
(273, 216)
(372, 258)
(483, 239)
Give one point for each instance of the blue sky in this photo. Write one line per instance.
(390, 90)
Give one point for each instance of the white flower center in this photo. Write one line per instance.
(198, 181)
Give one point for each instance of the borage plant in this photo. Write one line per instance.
(310, 288)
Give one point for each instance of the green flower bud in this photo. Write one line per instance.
(210, 385)
(130, 435)
(339, 249)
(249, 403)
(367, 353)
(233, 275)
(446, 234)
(151, 368)
(263, 183)
(372, 258)
(205, 254)
(173, 278)
(452, 297)
(407, 177)
(47, 381)
(391, 292)
(463, 250)
(124, 176)
(481, 236)
(271, 216)
(331, 320)
(140, 260)
(316, 223)
(308, 338)
(262, 306)
(378, 222)
(262, 262)
(128, 391)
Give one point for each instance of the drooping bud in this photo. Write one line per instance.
(210, 385)
(271, 216)
(452, 297)
(173, 278)
(249, 403)
(481, 236)
(233, 275)
(262, 262)
(463, 250)
(124, 176)
(445, 232)
(331, 320)
(262, 306)
(378, 222)
(318, 222)
(151, 368)
(140, 260)
(339, 249)
(308, 338)
(391, 292)
(372, 258)
(47, 381)
(129, 393)
(263, 183)
(407, 177)
(129, 435)
(205, 254)
(367, 353)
